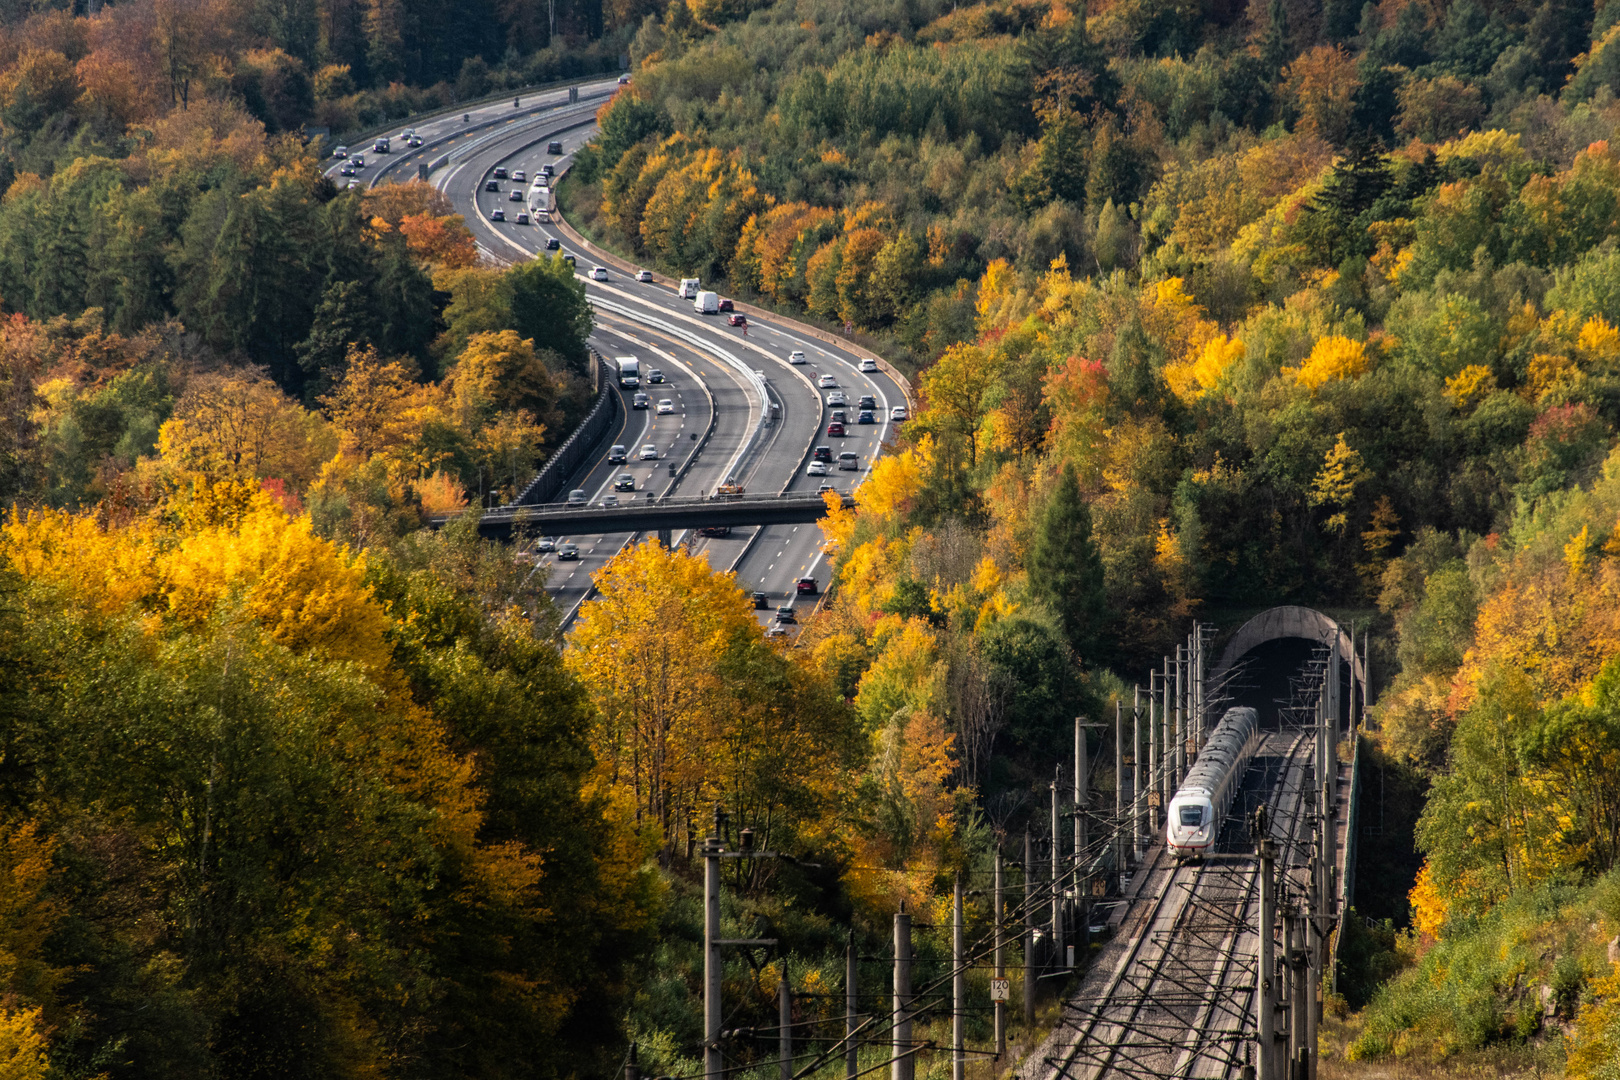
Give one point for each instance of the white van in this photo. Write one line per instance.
(690, 287)
(706, 303)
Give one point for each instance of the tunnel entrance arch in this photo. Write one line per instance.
(1294, 623)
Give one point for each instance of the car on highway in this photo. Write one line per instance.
(520, 177)
(839, 415)
(817, 468)
(644, 275)
(624, 80)
(568, 258)
(665, 406)
(762, 601)
(341, 152)
(500, 172)
(897, 413)
(806, 586)
(359, 161)
(725, 304)
(497, 214)
(552, 243)
(355, 185)
(490, 185)
(774, 632)
(784, 614)
(715, 530)
(624, 482)
(837, 398)
(821, 453)
(609, 502)
(547, 170)
(824, 487)
(640, 401)
(554, 147)
(617, 454)
(849, 461)
(577, 497)
(649, 452)
(865, 416)
(414, 142)
(836, 427)
(655, 375)
(827, 382)
(797, 357)
(866, 401)
(545, 545)
(867, 364)
(516, 195)
(346, 169)
(567, 551)
(599, 273)
(523, 217)
(736, 320)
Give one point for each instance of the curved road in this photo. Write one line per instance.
(742, 372)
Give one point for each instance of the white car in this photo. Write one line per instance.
(836, 398)
(643, 275)
(599, 273)
(649, 452)
(797, 357)
(665, 406)
(610, 501)
(545, 545)
(520, 177)
(827, 382)
(817, 468)
(868, 364)
(897, 413)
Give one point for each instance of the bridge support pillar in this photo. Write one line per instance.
(665, 536)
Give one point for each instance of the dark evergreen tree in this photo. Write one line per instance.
(1065, 567)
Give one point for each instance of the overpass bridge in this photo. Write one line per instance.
(641, 514)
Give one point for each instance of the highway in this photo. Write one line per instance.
(739, 373)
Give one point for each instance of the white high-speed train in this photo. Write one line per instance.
(1200, 804)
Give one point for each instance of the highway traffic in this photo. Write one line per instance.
(773, 394)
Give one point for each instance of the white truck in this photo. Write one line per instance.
(540, 202)
(690, 287)
(629, 371)
(706, 303)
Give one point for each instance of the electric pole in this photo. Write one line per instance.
(904, 1065)
(958, 988)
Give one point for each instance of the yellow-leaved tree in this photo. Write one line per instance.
(1332, 357)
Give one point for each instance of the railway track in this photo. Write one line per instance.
(1176, 1000)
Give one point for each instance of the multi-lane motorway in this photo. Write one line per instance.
(715, 374)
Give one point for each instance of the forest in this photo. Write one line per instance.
(1209, 307)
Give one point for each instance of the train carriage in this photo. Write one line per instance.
(1201, 803)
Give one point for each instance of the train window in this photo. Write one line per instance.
(1192, 816)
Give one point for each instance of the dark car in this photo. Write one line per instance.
(500, 172)
(737, 320)
(552, 243)
(490, 185)
(654, 375)
(725, 304)
(497, 215)
(640, 401)
(624, 482)
(567, 258)
(762, 601)
(516, 196)
(822, 453)
(835, 428)
(867, 402)
(553, 147)
(806, 586)
(785, 614)
(715, 530)
(865, 416)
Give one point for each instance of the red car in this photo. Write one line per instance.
(835, 428)
(726, 304)
(737, 320)
(807, 586)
